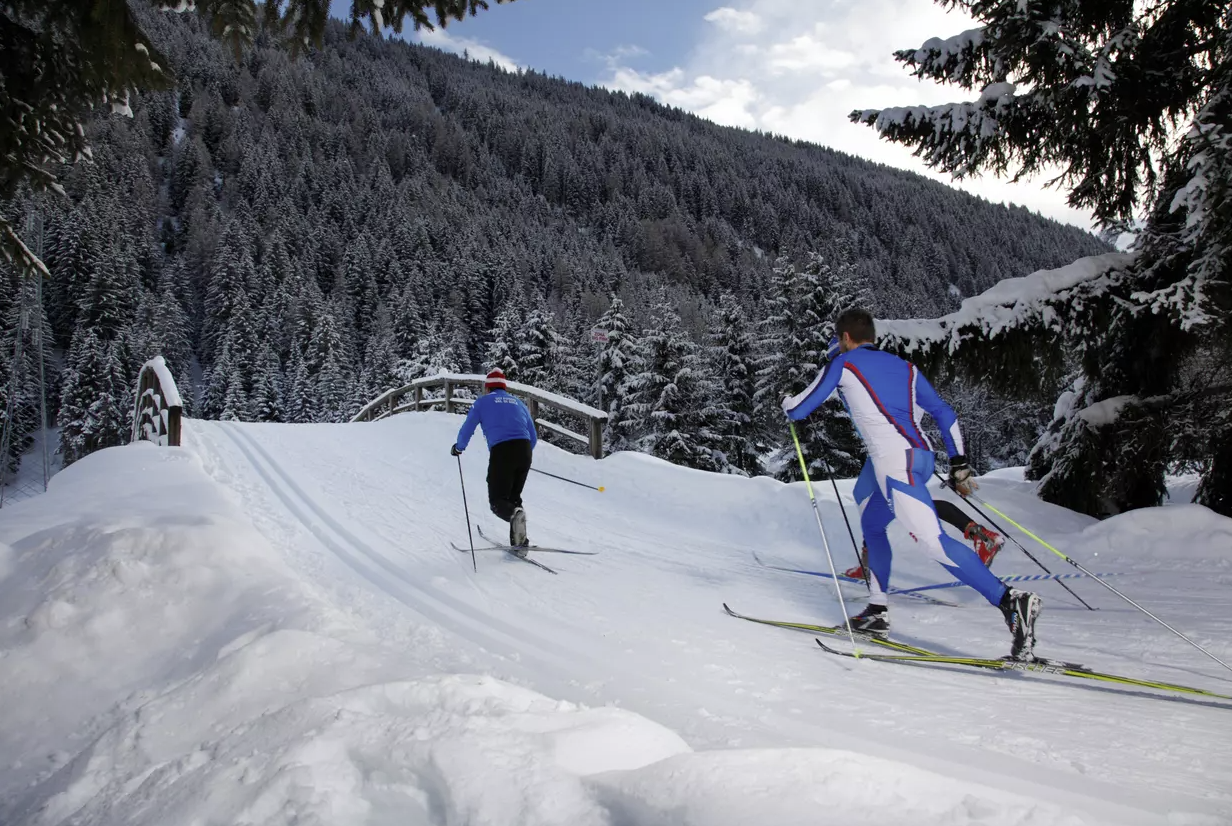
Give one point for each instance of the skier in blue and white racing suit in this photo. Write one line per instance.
(887, 397)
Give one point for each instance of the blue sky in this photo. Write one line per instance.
(792, 67)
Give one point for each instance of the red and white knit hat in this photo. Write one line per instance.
(495, 381)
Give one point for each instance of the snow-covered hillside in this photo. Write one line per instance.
(269, 626)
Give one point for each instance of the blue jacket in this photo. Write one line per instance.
(504, 418)
(887, 398)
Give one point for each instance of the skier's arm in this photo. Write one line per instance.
(942, 413)
(468, 426)
(822, 388)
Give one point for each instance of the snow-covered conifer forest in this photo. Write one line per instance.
(297, 235)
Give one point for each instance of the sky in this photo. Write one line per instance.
(791, 67)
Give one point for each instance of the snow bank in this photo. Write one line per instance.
(1163, 536)
(163, 665)
(787, 787)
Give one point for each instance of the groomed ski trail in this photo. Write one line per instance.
(640, 625)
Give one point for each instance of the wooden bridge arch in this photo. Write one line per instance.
(396, 401)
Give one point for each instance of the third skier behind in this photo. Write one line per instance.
(887, 397)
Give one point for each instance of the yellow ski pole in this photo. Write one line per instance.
(1101, 582)
(824, 542)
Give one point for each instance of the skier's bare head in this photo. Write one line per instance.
(853, 328)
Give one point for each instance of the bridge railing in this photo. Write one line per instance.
(157, 413)
(422, 394)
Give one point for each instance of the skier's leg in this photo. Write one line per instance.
(948, 512)
(520, 454)
(500, 482)
(913, 506)
(987, 543)
(520, 461)
(875, 516)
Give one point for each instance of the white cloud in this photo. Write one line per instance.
(629, 50)
(476, 50)
(798, 69)
(735, 21)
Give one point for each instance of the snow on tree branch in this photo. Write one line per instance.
(1009, 305)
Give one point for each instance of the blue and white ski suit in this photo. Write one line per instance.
(887, 398)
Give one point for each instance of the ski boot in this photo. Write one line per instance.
(1020, 609)
(987, 543)
(874, 620)
(858, 571)
(517, 533)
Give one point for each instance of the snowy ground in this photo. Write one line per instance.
(269, 626)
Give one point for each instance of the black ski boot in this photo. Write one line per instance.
(1020, 609)
(517, 532)
(875, 620)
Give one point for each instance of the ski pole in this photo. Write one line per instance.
(1068, 559)
(467, 511)
(850, 532)
(570, 481)
(1007, 534)
(824, 542)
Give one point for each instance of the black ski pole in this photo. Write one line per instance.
(467, 511)
(570, 481)
(859, 556)
(1009, 536)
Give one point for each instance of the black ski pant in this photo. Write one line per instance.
(949, 512)
(508, 466)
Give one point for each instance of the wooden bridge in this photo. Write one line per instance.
(437, 392)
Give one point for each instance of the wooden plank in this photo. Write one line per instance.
(173, 426)
(563, 431)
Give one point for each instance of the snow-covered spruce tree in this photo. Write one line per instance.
(669, 404)
(806, 302)
(778, 360)
(19, 382)
(267, 392)
(616, 357)
(95, 404)
(1055, 84)
(731, 357)
(542, 352)
(298, 397)
(380, 371)
(506, 343)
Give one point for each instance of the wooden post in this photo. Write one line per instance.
(448, 396)
(533, 406)
(596, 438)
(418, 398)
(173, 426)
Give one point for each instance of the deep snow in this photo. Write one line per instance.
(268, 626)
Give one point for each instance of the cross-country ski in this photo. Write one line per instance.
(494, 545)
(1034, 665)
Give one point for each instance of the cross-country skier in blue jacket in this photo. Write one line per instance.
(511, 437)
(887, 398)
